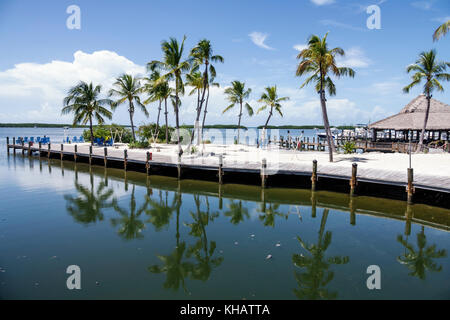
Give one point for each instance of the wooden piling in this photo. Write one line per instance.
(75, 153)
(62, 151)
(40, 147)
(179, 168)
(14, 145)
(220, 173)
(48, 150)
(23, 148)
(125, 159)
(353, 180)
(29, 149)
(410, 187)
(314, 176)
(147, 163)
(7, 144)
(105, 156)
(90, 155)
(263, 173)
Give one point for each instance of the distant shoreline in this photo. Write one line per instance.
(216, 126)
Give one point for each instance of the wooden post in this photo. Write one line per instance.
(14, 145)
(147, 163)
(408, 216)
(314, 176)
(105, 156)
(125, 159)
(352, 212)
(90, 155)
(40, 147)
(220, 169)
(353, 180)
(75, 153)
(29, 148)
(23, 148)
(313, 204)
(48, 150)
(410, 187)
(62, 150)
(263, 173)
(7, 144)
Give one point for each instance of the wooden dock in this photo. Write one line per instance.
(325, 175)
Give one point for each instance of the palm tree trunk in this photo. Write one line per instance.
(270, 115)
(177, 120)
(157, 119)
(167, 121)
(326, 124)
(131, 111)
(197, 120)
(92, 130)
(205, 112)
(239, 123)
(422, 134)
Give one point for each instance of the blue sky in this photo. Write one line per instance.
(42, 58)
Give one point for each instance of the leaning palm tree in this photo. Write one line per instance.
(236, 94)
(430, 70)
(271, 100)
(320, 61)
(205, 109)
(441, 31)
(202, 54)
(83, 101)
(128, 88)
(174, 66)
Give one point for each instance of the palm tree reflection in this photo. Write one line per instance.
(160, 212)
(88, 206)
(313, 281)
(269, 214)
(420, 261)
(236, 212)
(129, 220)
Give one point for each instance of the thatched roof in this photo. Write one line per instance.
(412, 116)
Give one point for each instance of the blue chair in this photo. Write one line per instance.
(74, 140)
(25, 140)
(32, 139)
(81, 139)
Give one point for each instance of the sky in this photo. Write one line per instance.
(41, 58)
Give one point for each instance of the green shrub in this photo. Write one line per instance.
(148, 131)
(119, 133)
(349, 147)
(143, 144)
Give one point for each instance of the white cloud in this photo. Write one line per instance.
(300, 47)
(259, 38)
(354, 58)
(334, 23)
(37, 90)
(322, 2)
(441, 19)
(423, 5)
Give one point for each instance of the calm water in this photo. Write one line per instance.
(156, 238)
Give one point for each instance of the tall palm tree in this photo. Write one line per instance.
(271, 100)
(128, 88)
(174, 66)
(428, 69)
(320, 61)
(202, 54)
(194, 79)
(236, 94)
(441, 31)
(83, 100)
(153, 88)
(205, 109)
(421, 260)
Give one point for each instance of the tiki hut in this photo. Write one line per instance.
(411, 118)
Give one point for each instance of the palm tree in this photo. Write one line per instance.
(312, 283)
(236, 212)
(319, 61)
(152, 87)
(270, 99)
(160, 212)
(174, 66)
(202, 54)
(236, 94)
(441, 31)
(205, 111)
(268, 214)
(130, 224)
(428, 69)
(194, 79)
(421, 260)
(83, 101)
(128, 88)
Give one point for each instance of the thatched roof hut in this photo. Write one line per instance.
(412, 117)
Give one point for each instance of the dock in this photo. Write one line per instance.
(342, 177)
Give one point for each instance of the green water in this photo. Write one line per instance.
(156, 238)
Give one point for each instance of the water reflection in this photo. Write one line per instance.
(236, 212)
(313, 281)
(420, 260)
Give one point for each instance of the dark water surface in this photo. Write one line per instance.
(157, 238)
